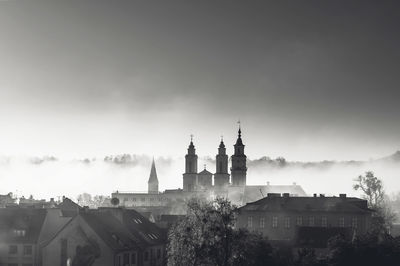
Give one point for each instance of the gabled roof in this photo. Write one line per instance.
(21, 225)
(123, 229)
(205, 172)
(69, 208)
(300, 204)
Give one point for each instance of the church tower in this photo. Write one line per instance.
(221, 176)
(152, 184)
(239, 169)
(190, 175)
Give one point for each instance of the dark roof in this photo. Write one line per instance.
(253, 193)
(28, 222)
(69, 208)
(331, 204)
(171, 218)
(122, 228)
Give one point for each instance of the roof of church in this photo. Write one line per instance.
(153, 173)
(239, 139)
(205, 172)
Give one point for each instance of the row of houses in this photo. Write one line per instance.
(71, 235)
(67, 234)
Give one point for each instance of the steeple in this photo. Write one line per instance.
(239, 169)
(190, 175)
(153, 180)
(221, 177)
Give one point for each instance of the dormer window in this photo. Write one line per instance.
(19, 232)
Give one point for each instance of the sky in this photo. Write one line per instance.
(309, 80)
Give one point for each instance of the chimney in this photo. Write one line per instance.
(286, 195)
(342, 196)
(268, 183)
(294, 184)
(273, 195)
(315, 195)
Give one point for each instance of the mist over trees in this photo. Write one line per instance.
(373, 191)
(85, 199)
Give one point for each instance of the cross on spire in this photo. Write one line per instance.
(191, 137)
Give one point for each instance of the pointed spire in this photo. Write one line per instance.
(153, 172)
(239, 139)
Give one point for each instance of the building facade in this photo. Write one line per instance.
(304, 221)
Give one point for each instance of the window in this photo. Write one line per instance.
(125, 259)
(126, 199)
(133, 258)
(299, 220)
(146, 256)
(262, 222)
(287, 222)
(354, 222)
(27, 250)
(119, 261)
(13, 249)
(324, 221)
(133, 199)
(311, 221)
(250, 221)
(274, 221)
(158, 253)
(341, 222)
(19, 232)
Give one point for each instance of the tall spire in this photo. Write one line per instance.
(153, 180)
(239, 169)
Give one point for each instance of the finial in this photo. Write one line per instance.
(205, 168)
(222, 138)
(240, 131)
(191, 137)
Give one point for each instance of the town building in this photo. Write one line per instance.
(305, 221)
(19, 235)
(106, 236)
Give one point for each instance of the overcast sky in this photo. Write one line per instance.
(310, 80)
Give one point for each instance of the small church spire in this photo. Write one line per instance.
(153, 180)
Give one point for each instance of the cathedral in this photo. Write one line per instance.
(221, 181)
(204, 184)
